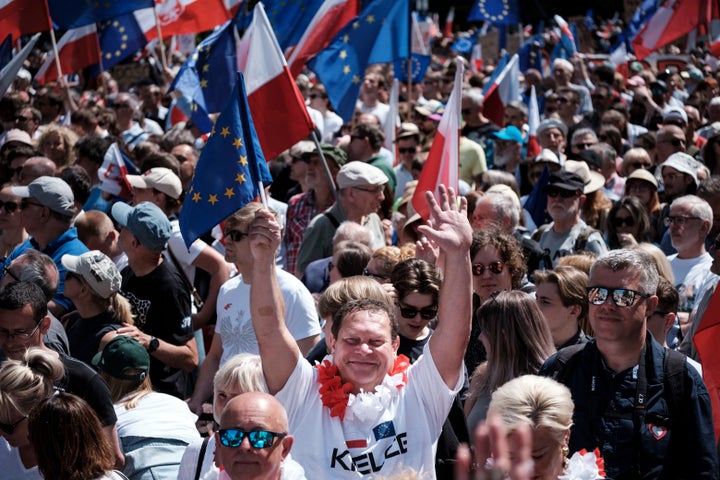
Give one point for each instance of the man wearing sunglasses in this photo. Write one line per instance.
(639, 403)
(567, 233)
(253, 439)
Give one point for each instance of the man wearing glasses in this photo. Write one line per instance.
(679, 177)
(625, 384)
(567, 233)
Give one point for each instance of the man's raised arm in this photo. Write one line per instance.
(278, 350)
(449, 228)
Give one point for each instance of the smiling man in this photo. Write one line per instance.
(639, 403)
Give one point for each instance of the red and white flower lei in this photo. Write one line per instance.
(584, 465)
(336, 394)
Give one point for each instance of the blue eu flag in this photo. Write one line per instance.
(76, 13)
(119, 38)
(227, 174)
(536, 203)
(496, 12)
(379, 34)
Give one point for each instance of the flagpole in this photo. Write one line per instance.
(55, 52)
(409, 68)
(326, 167)
(163, 60)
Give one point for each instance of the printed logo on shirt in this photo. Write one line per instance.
(384, 430)
(371, 461)
(140, 307)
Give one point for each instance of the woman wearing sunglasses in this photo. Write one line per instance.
(517, 341)
(23, 385)
(13, 234)
(628, 224)
(643, 185)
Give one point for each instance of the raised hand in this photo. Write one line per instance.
(448, 226)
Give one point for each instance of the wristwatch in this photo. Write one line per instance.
(153, 345)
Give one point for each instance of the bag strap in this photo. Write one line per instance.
(674, 371)
(560, 367)
(197, 299)
(332, 219)
(203, 449)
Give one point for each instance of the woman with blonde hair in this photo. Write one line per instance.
(517, 341)
(92, 282)
(154, 428)
(68, 441)
(57, 144)
(23, 385)
(562, 298)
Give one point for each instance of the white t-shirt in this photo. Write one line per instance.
(690, 274)
(184, 256)
(380, 110)
(234, 324)
(157, 415)
(12, 466)
(403, 435)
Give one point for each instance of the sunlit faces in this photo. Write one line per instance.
(414, 312)
(557, 316)
(686, 229)
(675, 182)
(364, 350)
(488, 282)
(552, 139)
(367, 199)
(9, 209)
(18, 331)
(547, 455)
(564, 208)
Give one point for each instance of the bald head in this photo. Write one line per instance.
(36, 167)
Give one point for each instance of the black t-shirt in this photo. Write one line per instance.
(161, 304)
(86, 383)
(84, 334)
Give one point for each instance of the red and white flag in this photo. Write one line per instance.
(533, 147)
(179, 17)
(448, 31)
(77, 49)
(443, 162)
(391, 126)
(113, 173)
(330, 18)
(565, 32)
(671, 21)
(504, 89)
(20, 17)
(619, 58)
(278, 109)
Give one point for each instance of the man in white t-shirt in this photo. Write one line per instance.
(689, 222)
(234, 331)
(366, 411)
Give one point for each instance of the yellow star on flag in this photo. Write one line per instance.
(346, 69)
(370, 18)
(196, 197)
(225, 131)
(229, 193)
(343, 54)
(237, 143)
(243, 160)
(240, 178)
(203, 83)
(213, 199)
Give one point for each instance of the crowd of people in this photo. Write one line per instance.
(333, 327)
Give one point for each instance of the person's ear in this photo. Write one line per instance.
(287, 444)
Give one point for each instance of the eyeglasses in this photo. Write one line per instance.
(233, 437)
(495, 267)
(662, 313)
(7, 271)
(675, 142)
(374, 191)
(622, 297)
(24, 203)
(368, 273)
(21, 119)
(407, 150)
(9, 207)
(620, 221)
(426, 313)
(313, 95)
(563, 99)
(679, 221)
(9, 428)
(583, 146)
(19, 334)
(235, 235)
(554, 192)
(637, 165)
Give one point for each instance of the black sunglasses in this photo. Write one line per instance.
(233, 437)
(407, 150)
(235, 235)
(9, 207)
(675, 142)
(7, 271)
(9, 428)
(24, 203)
(495, 267)
(426, 313)
(554, 192)
(620, 221)
(622, 297)
(368, 273)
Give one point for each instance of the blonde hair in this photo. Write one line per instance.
(243, 371)
(67, 137)
(25, 383)
(351, 288)
(541, 402)
(658, 256)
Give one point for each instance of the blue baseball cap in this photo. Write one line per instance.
(510, 134)
(146, 221)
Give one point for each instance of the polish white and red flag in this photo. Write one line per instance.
(443, 162)
(533, 147)
(20, 17)
(671, 21)
(77, 49)
(504, 87)
(179, 17)
(330, 18)
(278, 110)
(113, 173)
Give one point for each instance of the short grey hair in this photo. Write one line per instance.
(474, 95)
(349, 230)
(633, 260)
(606, 151)
(698, 207)
(581, 132)
(503, 207)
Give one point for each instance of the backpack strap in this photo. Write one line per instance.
(203, 449)
(675, 370)
(332, 219)
(564, 360)
(540, 230)
(582, 239)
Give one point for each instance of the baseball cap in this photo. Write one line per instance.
(408, 129)
(683, 163)
(674, 113)
(51, 192)
(547, 156)
(552, 123)
(432, 109)
(360, 174)
(510, 134)
(121, 355)
(97, 270)
(161, 179)
(636, 81)
(337, 155)
(17, 135)
(146, 221)
(565, 180)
